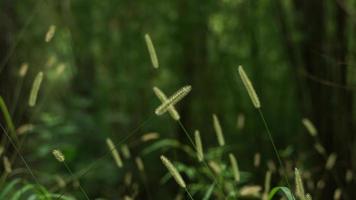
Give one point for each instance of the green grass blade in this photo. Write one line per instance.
(287, 193)
(8, 119)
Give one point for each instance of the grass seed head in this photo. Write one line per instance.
(7, 165)
(35, 89)
(114, 152)
(139, 164)
(172, 100)
(199, 146)
(23, 69)
(310, 127)
(151, 51)
(249, 87)
(299, 184)
(163, 98)
(218, 130)
(235, 167)
(257, 160)
(58, 155)
(50, 33)
(173, 171)
(330, 162)
(149, 136)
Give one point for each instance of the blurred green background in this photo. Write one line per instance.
(98, 79)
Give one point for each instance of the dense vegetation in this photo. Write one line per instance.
(147, 99)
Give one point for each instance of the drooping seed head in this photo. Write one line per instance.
(115, 154)
(173, 171)
(235, 167)
(175, 98)
(58, 155)
(199, 146)
(163, 98)
(310, 127)
(218, 130)
(35, 89)
(249, 87)
(151, 51)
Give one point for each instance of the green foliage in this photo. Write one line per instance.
(16, 189)
(284, 190)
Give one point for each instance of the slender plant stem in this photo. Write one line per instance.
(23, 160)
(72, 175)
(274, 146)
(190, 196)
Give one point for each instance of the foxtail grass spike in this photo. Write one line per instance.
(23, 69)
(257, 160)
(7, 165)
(299, 184)
(175, 98)
(268, 178)
(163, 98)
(125, 151)
(149, 136)
(310, 127)
(337, 194)
(173, 171)
(58, 155)
(348, 176)
(319, 148)
(151, 51)
(330, 162)
(249, 87)
(308, 197)
(35, 89)
(114, 152)
(250, 191)
(199, 146)
(50, 33)
(235, 167)
(139, 164)
(218, 130)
